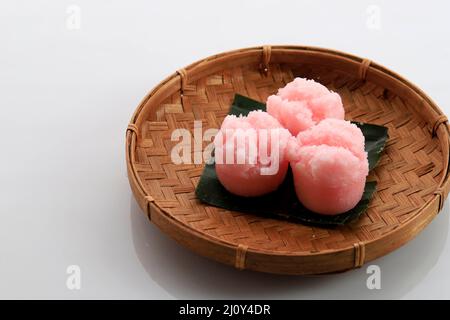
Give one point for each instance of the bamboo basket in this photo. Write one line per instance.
(412, 175)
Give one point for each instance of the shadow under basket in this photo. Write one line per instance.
(412, 174)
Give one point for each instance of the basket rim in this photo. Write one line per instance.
(131, 138)
(342, 54)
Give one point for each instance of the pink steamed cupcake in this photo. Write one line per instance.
(303, 103)
(330, 166)
(250, 154)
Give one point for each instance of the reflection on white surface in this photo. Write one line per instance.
(186, 275)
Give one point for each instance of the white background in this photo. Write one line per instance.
(67, 96)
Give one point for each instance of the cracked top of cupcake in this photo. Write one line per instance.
(303, 103)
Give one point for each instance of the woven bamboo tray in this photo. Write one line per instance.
(412, 174)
